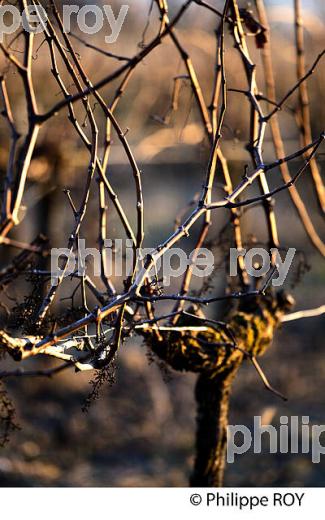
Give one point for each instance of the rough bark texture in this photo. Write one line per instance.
(212, 397)
(216, 354)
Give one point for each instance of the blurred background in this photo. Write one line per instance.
(141, 431)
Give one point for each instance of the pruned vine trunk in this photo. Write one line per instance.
(216, 353)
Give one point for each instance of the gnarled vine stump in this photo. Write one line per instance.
(216, 354)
